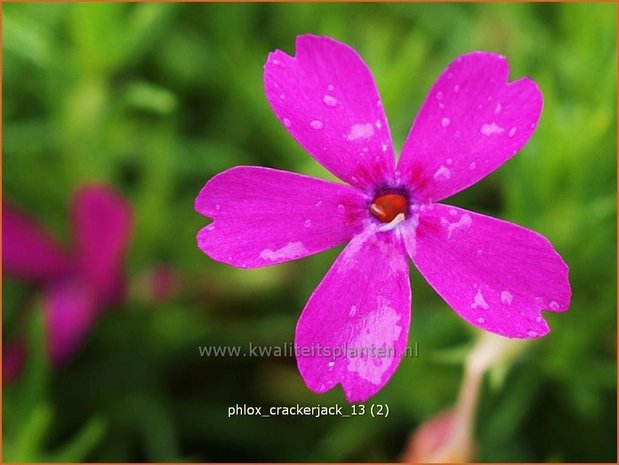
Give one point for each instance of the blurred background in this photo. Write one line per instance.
(154, 99)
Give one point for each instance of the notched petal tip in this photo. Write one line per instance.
(203, 204)
(540, 330)
(300, 42)
(353, 392)
(305, 44)
(355, 398)
(533, 93)
(274, 59)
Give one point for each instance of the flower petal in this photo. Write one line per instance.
(70, 308)
(327, 99)
(102, 228)
(471, 122)
(354, 328)
(27, 250)
(494, 274)
(265, 216)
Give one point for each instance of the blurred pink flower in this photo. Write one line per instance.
(494, 274)
(438, 440)
(76, 286)
(157, 284)
(449, 436)
(13, 357)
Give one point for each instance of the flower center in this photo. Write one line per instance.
(387, 207)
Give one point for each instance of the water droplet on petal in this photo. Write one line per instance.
(490, 129)
(316, 124)
(479, 301)
(360, 131)
(340, 207)
(472, 165)
(439, 95)
(445, 122)
(456, 88)
(532, 333)
(217, 207)
(308, 223)
(287, 122)
(330, 87)
(330, 101)
(442, 173)
(512, 131)
(506, 297)
(481, 320)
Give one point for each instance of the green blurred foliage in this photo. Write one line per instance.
(157, 98)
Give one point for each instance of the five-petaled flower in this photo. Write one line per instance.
(76, 287)
(496, 275)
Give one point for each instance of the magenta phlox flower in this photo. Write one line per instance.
(76, 285)
(496, 275)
